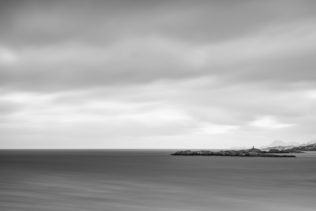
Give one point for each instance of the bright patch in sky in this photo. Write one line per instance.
(269, 122)
(7, 56)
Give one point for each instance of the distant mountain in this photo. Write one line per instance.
(291, 148)
(307, 147)
(282, 144)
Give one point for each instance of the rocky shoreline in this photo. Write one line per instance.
(253, 152)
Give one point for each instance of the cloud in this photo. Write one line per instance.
(311, 94)
(208, 128)
(269, 122)
(7, 57)
(156, 74)
(284, 58)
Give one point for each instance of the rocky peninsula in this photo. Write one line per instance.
(253, 152)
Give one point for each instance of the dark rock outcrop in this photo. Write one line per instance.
(284, 151)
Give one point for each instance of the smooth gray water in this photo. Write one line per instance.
(153, 180)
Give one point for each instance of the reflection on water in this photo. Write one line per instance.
(153, 180)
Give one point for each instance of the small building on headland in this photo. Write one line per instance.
(254, 151)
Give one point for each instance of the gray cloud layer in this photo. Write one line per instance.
(156, 74)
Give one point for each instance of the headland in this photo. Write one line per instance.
(253, 152)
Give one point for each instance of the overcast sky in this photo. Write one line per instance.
(157, 74)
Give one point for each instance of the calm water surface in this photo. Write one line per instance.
(152, 181)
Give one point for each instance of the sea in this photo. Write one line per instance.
(153, 180)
